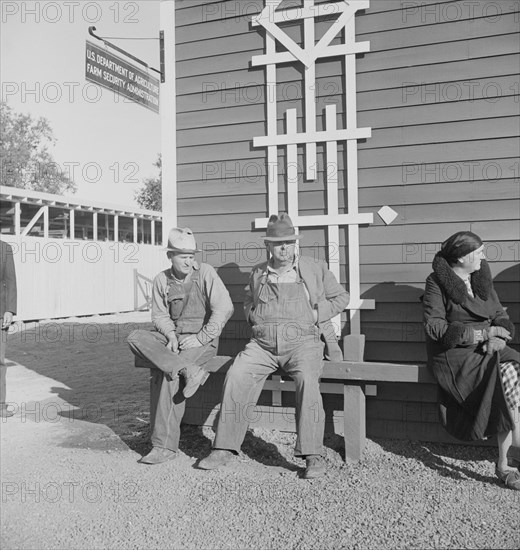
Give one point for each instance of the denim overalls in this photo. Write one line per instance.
(284, 336)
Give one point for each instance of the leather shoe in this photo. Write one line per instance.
(513, 457)
(511, 478)
(217, 458)
(193, 381)
(315, 467)
(158, 455)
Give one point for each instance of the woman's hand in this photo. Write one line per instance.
(483, 335)
(500, 332)
(494, 344)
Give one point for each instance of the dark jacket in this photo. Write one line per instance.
(472, 403)
(325, 294)
(7, 280)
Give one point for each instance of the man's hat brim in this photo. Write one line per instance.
(182, 250)
(283, 239)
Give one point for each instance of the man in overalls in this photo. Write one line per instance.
(190, 306)
(289, 303)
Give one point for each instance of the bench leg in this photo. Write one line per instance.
(354, 414)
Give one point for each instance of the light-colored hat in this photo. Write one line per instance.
(181, 240)
(280, 228)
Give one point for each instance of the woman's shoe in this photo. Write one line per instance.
(513, 457)
(511, 478)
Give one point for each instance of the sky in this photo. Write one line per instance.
(107, 143)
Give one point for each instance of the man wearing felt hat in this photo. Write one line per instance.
(289, 302)
(190, 306)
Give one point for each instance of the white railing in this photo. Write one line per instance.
(64, 278)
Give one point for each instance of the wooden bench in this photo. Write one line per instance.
(352, 379)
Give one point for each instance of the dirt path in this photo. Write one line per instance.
(70, 477)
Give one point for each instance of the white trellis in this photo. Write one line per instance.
(307, 55)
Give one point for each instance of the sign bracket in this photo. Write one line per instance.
(136, 59)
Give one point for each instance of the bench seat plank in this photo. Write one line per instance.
(341, 370)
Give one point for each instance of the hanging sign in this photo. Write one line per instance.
(116, 74)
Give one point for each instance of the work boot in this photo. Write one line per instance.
(315, 467)
(193, 379)
(217, 458)
(158, 455)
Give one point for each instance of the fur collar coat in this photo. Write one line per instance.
(472, 404)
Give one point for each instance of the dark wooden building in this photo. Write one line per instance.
(382, 126)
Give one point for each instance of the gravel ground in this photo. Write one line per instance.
(70, 477)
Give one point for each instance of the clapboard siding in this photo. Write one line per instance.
(380, 41)
(390, 194)
(456, 130)
(440, 90)
(489, 106)
(445, 65)
(237, 62)
(247, 179)
(231, 239)
(246, 159)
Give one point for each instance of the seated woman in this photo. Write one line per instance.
(467, 330)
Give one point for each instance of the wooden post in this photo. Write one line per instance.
(354, 421)
(168, 120)
(136, 283)
(276, 394)
(72, 223)
(17, 218)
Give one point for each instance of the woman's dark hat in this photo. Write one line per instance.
(459, 244)
(280, 228)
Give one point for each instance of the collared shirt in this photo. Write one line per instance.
(290, 275)
(212, 287)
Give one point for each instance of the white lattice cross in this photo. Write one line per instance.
(269, 18)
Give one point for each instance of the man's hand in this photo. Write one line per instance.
(173, 343)
(7, 320)
(315, 315)
(494, 344)
(189, 342)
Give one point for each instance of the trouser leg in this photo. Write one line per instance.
(3, 368)
(242, 387)
(151, 346)
(168, 404)
(305, 366)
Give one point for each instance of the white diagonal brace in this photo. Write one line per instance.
(332, 32)
(288, 42)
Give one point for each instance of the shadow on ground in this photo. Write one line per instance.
(95, 364)
(442, 457)
(102, 386)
